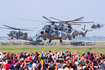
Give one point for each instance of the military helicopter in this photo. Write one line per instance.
(97, 26)
(52, 34)
(61, 29)
(76, 32)
(66, 27)
(18, 34)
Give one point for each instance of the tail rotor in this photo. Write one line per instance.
(85, 31)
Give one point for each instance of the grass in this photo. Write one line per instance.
(97, 49)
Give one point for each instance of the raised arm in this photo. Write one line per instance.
(101, 62)
(2, 64)
(24, 64)
(91, 50)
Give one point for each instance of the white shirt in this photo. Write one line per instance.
(34, 65)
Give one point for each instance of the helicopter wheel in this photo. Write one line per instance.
(73, 36)
(44, 38)
(50, 41)
(11, 37)
(60, 41)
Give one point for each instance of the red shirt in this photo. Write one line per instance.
(7, 66)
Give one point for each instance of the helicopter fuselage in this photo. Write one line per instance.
(18, 34)
(51, 33)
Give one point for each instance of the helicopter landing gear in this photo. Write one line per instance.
(11, 37)
(44, 38)
(50, 41)
(60, 41)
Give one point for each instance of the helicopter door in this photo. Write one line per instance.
(25, 36)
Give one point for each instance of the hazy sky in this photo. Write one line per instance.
(12, 10)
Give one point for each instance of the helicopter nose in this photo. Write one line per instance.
(42, 32)
(8, 33)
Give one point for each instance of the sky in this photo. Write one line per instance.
(12, 10)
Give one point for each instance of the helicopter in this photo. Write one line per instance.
(97, 26)
(61, 29)
(18, 34)
(68, 29)
(52, 34)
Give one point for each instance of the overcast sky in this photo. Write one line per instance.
(12, 10)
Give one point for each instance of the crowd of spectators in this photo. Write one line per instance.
(51, 61)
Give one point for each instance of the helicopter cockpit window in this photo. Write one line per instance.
(11, 32)
(20, 34)
(65, 29)
(47, 30)
(61, 28)
(14, 32)
(43, 28)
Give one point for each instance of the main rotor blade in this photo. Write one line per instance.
(32, 28)
(46, 18)
(78, 19)
(10, 27)
(73, 24)
(83, 22)
(32, 20)
(4, 28)
(26, 30)
(56, 19)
